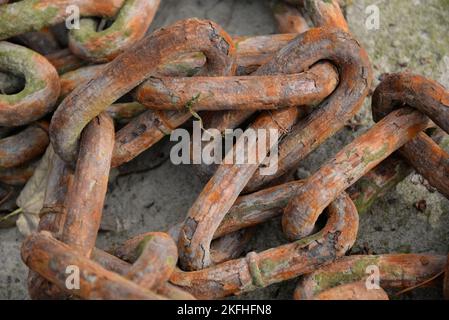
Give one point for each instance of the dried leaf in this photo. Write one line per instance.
(31, 199)
(27, 223)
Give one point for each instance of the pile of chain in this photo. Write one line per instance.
(66, 92)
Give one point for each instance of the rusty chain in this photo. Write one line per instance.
(61, 91)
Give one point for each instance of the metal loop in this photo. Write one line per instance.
(130, 69)
(41, 90)
(33, 15)
(129, 26)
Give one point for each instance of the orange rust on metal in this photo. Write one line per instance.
(125, 112)
(221, 191)
(251, 53)
(252, 209)
(256, 208)
(239, 93)
(130, 26)
(155, 265)
(426, 155)
(151, 126)
(156, 262)
(432, 99)
(41, 90)
(84, 201)
(276, 264)
(52, 217)
(130, 69)
(426, 95)
(70, 80)
(247, 48)
(129, 252)
(231, 119)
(64, 61)
(24, 146)
(300, 142)
(49, 257)
(40, 288)
(59, 181)
(18, 176)
(151, 272)
(308, 48)
(349, 165)
(229, 246)
(114, 264)
(378, 182)
(254, 51)
(143, 132)
(385, 176)
(330, 117)
(232, 244)
(396, 271)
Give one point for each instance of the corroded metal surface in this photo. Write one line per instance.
(130, 69)
(305, 84)
(367, 151)
(84, 201)
(41, 90)
(239, 93)
(308, 48)
(33, 15)
(129, 26)
(351, 163)
(277, 264)
(397, 271)
(50, 258)
(24, 146)
(432, 99)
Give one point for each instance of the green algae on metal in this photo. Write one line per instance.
(369, 156)
(33, 15)
(326, 281)
(30, 19)
(129, 26)
(41, 90)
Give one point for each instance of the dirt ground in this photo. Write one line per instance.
(151, 193)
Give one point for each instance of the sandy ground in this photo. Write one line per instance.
(150, 193)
